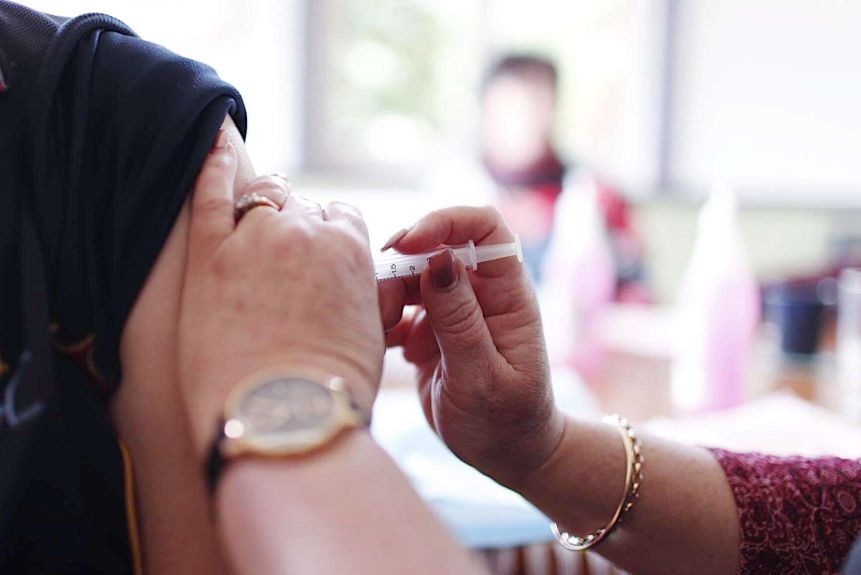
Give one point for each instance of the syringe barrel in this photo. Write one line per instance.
(400, 266)
(411, 265)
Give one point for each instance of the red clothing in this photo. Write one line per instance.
(798, 515)
(544, 181)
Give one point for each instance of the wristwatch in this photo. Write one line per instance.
(276, 414)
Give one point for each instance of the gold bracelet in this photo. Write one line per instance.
(633, 478)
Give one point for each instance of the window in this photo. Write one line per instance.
(392, 83)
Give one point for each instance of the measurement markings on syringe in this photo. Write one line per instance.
(405, 265)
(402, 270)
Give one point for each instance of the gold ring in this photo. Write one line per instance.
(248, 202)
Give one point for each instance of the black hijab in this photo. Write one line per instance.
(101, 138)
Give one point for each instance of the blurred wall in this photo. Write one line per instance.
(767, 94)
(780, 242)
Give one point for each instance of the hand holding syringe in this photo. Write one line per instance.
(391, 266)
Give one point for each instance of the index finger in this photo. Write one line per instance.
(350, 215)
(212, 199)
(453, 226)
(459, 225)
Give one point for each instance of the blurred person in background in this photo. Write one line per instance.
(579, 243)
(518, 116)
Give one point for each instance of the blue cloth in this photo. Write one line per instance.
(101, 137)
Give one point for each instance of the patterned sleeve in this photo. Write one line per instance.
(797, 515)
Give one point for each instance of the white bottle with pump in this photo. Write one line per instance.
(717, 314)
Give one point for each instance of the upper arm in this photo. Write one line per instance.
(148, 412)
(157, 306)
(152, 322)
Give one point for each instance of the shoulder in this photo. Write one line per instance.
(30, 37)
(35, 49)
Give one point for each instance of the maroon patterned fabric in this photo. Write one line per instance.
(798, 515)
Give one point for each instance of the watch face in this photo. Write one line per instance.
(285, 406)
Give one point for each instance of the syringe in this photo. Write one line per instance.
(387, 267)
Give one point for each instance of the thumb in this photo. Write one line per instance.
(456, 317)
(212, 217)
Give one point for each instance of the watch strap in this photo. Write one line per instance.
(215, 462)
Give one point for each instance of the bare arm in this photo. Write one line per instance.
(346, 510)
(349, 510)
(485, 385)
(259, 294)
(685, 521)
(176, 532)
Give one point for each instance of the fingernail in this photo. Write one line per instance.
(220, 140)
(443, 270)
(398, 236)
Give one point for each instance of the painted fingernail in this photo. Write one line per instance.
(220, 140)
(396, 237)
(443, 270)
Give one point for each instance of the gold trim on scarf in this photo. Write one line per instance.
(131, 509)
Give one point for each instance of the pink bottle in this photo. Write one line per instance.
(718, 311)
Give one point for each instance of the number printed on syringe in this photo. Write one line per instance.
(402, 270)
